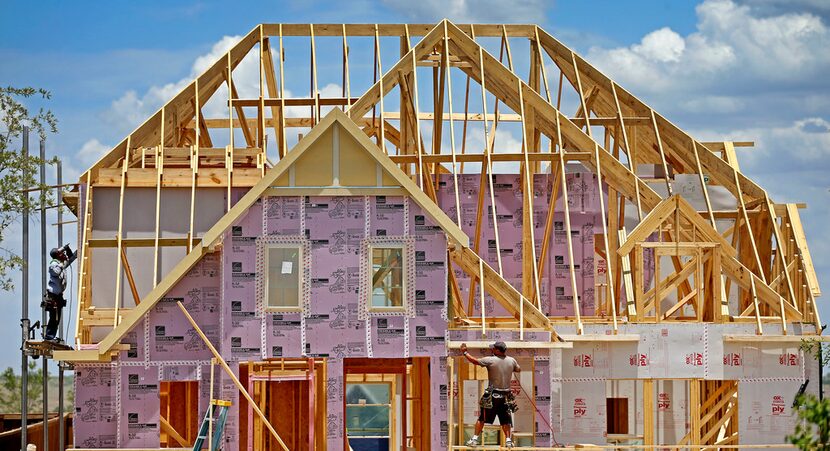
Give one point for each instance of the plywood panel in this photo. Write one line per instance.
(357, 167)
(315, 166)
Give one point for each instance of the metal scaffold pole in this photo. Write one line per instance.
(43, 253)
(61, 425)
(24, 322)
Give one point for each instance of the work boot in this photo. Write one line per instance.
(508, 443)
(472, 442)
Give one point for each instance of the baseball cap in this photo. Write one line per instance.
(499, 345)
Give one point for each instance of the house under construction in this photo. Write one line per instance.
(315, 260)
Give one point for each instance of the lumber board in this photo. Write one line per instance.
(513, 344)
(801, 243)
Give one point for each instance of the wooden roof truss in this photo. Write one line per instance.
(444, 86)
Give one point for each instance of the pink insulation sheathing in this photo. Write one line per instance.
(179, 372)
(335, 393)
(241, 332)
(555, 284)
(438, 401)
(387, 336)
(94, 423)
(428, 325)
(386, 216)
(139, 415)
(507, 190)
(171, 336)
(283, 215)
(335, 226)
(136, 339)
(283, 334)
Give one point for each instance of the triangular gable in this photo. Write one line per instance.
(663, 212)
(731, 266)
(339, 159)
(322, 157)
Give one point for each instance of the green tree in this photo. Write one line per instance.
(17, 171)
(812, 432)
(10, 390)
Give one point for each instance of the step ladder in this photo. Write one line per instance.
(209, 418)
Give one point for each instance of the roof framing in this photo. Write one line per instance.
(612, 132)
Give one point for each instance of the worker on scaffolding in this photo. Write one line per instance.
(497, 400)
(53, 301)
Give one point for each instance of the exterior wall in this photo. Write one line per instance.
(224, 294)
(117, 404)
(555, 283)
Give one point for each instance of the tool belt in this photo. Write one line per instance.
(486, 401)
(53, 301)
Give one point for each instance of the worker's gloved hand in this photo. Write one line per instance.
(463, 348)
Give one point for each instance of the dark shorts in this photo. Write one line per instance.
(499, 409)
(53, 300)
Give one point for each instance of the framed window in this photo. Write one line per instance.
(387, 281)
(370, 415)
(283, 284)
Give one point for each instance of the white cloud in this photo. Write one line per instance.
(705, 103)
(776, 7)
(469, 11)
(663, 45)
(732, 45)
(801, 145)
(129, 110)
(91, 151)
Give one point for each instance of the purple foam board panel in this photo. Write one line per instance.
(491, 306)
(334, 404)
(335, 226)
(241, 334)
(94, 422)
(171, 336)
(438, 401)
(387, 336)
(284, 335)
(135, 338)
(283, 215)
(139, 416)
(426, 336)
(327, 334)
(584, 203)
(387, 215)
(178, 373)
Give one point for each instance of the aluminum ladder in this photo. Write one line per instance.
(220, 424)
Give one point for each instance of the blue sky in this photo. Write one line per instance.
(721, 69)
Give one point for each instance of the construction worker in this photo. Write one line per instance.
(54, 302)
(497, 400)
